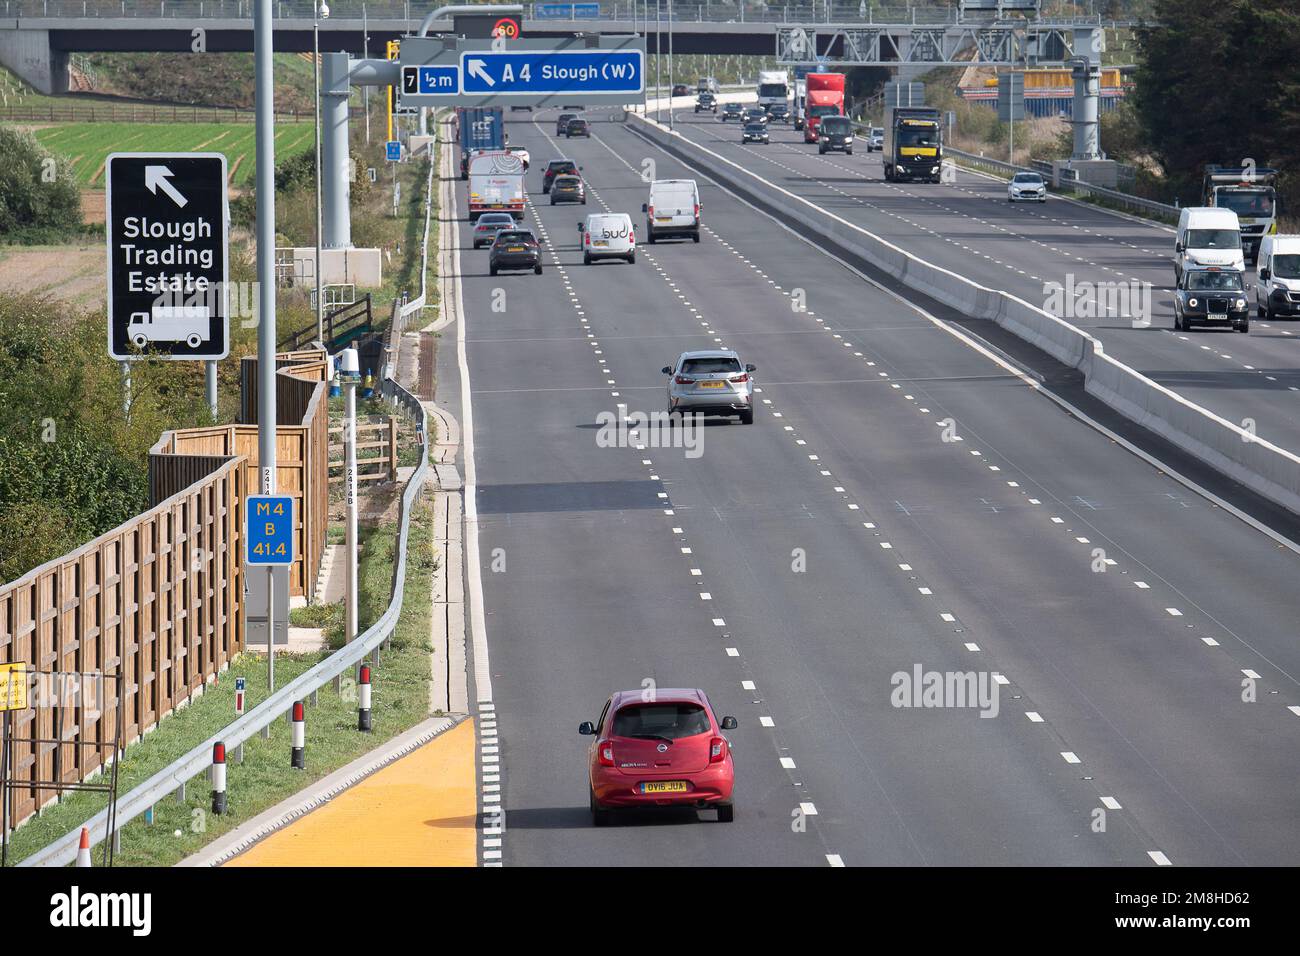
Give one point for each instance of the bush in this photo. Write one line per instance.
(39, 198)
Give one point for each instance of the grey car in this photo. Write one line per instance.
(711, 382)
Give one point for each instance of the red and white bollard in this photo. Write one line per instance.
(363, 699)
(218, 778)
(296, 759)
(83, 851)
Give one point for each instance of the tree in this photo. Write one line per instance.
(38, 193)
(1217, 83)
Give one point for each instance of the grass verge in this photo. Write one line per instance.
(400, 700)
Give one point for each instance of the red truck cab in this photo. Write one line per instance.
(824, 96)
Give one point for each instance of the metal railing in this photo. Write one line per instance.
(706, 11)
(1071, 182)
(175, 775)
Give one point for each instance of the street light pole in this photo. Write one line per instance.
(264, 72)
(318, 10)
(658, 88)
(350, 374)
(671, 86)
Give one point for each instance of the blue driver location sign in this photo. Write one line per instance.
(552, 71)
(168, 271)
(268, 538)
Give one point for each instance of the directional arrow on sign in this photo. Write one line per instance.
(158, 177)
(478, 70)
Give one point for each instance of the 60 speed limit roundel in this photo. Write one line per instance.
(507, 27)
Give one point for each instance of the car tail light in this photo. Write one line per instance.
(743, 377)
(697, 210)
(717, 750)
(606, 754)
(683, 380)
(587, 238)
(650, 211)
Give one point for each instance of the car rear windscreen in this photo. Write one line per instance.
(673, 721)
(707, 366)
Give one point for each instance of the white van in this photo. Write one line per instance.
(608, 235)
(1207, 236)
(1277, 277)
(673, 209)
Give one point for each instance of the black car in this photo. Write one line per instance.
(680, 89)
(558, 167)
(755, 115)
(731, 111)
(579, 127)
(568, 189)
(562, 123)
(515, 249)
(1211, 297)
(754, 133)
(835, 133)
(706, 101)
(778, 113)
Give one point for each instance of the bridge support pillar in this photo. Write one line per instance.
(336, 163)
(28, 54)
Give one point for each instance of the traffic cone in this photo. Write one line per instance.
(83, 851)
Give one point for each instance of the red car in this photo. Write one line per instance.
(665, 751)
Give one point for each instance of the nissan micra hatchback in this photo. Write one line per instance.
(607, 236)
(711, 382)
(668, 751)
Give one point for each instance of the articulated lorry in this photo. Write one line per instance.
(1250, 192)
(496, 184)
(825, 97)
(913, 148)
(478, 128)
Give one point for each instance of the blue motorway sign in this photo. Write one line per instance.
(268, 537)
(439, 79)
(393, 151)
(552, 72)
(566, 11)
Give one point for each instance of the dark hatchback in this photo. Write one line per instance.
(562, 123)
(1211, 297)
(731, 111)
(779, 113)
(754, 133)
(706, 101)
(568, 189)
(515, 249)
(558, 167)
(578, 127)
(835, 134)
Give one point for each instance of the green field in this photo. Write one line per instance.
(88, 144)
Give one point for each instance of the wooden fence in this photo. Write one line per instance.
(160, 598)
(376, 451)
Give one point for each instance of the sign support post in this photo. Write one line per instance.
(265, 146)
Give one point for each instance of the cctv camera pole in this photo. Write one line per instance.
(315, 60)
(365, 53)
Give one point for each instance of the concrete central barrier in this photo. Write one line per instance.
(1263, 467)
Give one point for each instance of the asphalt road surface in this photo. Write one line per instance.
(903, 500)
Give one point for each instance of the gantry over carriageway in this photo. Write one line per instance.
(38, 36)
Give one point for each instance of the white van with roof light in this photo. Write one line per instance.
(608, 235)
(1277, 277)
(673, 209)
(1207, 236)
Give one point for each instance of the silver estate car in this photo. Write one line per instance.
(711, 382)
